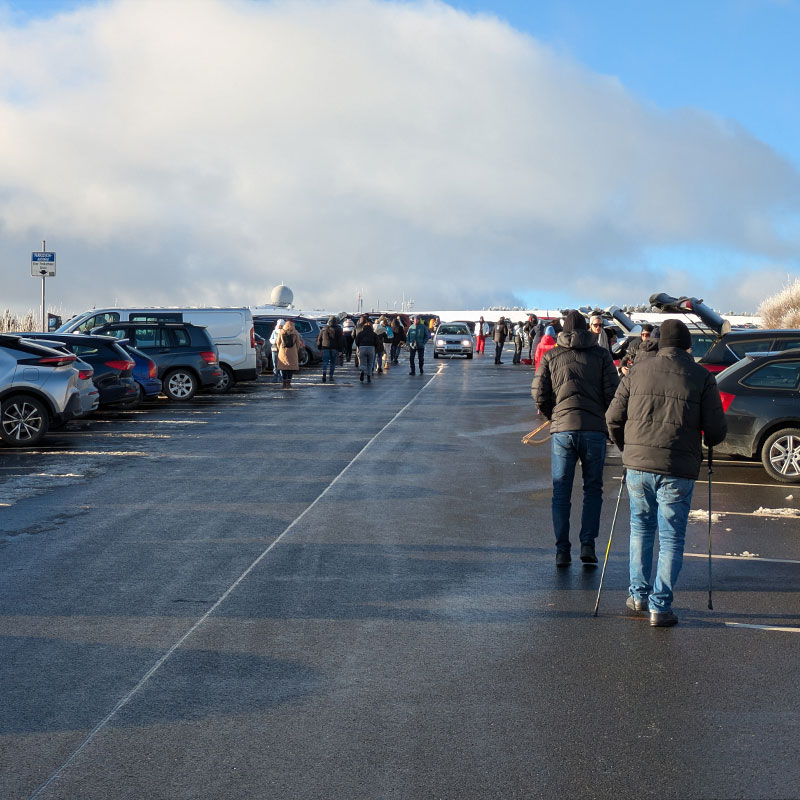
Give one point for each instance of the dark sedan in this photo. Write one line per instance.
(761, 398)
(113, 367)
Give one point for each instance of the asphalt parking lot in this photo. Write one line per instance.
(348, 591)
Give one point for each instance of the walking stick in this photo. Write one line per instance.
(710, 473)
(608, 546)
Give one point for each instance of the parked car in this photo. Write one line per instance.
(452, 339)
(761, 398)
(230, 329)
(262, 356)
(145, 373)
(307, 327)
(38, 389)
(113, 366)
(185, 357)
(715, 344)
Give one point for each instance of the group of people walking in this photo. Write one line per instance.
(658, 414)
(339, 342)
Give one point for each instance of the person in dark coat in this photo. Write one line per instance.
(398, 337)
(573, 386)
(331, 342)
(663, 410)
(367, 343)
(500, 335)
(633, 348)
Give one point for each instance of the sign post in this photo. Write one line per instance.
(43, 264)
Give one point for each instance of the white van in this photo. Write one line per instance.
(230, 328)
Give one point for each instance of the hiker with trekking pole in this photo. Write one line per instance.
(662, 411)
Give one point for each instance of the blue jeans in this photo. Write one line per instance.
(658, 502)
(276, 378)
(329, 359)
(567, 447)
(366, 359)
(420, 353)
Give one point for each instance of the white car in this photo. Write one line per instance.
(452, 339)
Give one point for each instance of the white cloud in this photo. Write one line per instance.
(203, 151)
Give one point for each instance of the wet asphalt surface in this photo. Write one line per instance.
(349, 591)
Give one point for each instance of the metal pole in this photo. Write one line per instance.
(44, 248)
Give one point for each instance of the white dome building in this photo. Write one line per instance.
(281, 296)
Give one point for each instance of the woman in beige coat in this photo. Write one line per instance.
(289, 344)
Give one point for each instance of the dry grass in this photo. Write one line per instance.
(9, 321)
(782, 310)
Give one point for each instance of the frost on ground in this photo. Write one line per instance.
(776, 512)
(698, 515)
(743, 554)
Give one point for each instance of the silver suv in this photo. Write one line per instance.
(39, 388)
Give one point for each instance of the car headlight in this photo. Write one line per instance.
(440, 343)
(466, 342)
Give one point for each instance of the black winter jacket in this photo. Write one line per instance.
(660, 410)
(367, 337)
(500, 332)
(330, 338)
(575, 382)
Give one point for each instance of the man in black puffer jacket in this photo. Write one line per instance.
(573, 387)
(331, 342)
(658, 415)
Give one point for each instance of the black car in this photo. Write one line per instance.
(113, 367)
(761, 398)
(715, 344)
(186, 358)
(307, 327)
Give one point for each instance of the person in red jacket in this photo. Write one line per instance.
(547, 342)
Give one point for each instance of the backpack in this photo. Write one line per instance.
(288, 339)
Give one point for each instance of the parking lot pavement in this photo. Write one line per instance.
(348, 591)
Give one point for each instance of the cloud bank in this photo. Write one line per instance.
(204, 151)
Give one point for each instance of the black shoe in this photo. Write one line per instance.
(331, 378)
(637, 606)
(361, 377)
(420, 371)
(369, 378)
(412, 372)
(498, 362)
(324, 378)
(662, 619)
(380, 371)
(563, 558)
(587, 554)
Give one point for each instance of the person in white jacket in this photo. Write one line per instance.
(273, 344)
(481, 332)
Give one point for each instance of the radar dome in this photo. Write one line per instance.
(281, 296)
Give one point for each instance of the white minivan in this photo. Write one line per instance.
(230, 328)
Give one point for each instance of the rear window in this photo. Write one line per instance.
(150, 337)
(701, 344)
(741, 347)
(783, 375)
(787, 344)
(83, 349)
(302, 326)
(180, 337)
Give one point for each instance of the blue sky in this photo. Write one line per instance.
(663, 155)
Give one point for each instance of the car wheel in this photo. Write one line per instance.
(780, 455)
(225, 383)
(24, 420)
(435, 354)
(304, 357)
(180, 384)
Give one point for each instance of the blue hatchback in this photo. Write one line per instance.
(145, 373)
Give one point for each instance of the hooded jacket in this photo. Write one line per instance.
(330, 337)
(575, 383)
(660, 411)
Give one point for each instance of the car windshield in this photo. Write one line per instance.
(453, 330)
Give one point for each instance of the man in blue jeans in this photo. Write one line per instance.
(573, 387)
(416, 337)
(663, 408)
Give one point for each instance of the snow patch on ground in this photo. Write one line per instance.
(698, 515)
(776, 512)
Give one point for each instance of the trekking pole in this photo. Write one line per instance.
(608, 546)
(710, 473)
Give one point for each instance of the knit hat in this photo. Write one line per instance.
(280, 323)
(674, 333)
(550, 331)
(574, 321)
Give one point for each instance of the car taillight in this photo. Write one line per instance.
(252, 337)
(50, 361)
(209, 358)
(152, 369)
(122, 366)
(85, 374)
(715, 367)
(727, 398)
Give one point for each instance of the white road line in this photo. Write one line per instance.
(743, 558)
(762, 627)
(158, 664)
